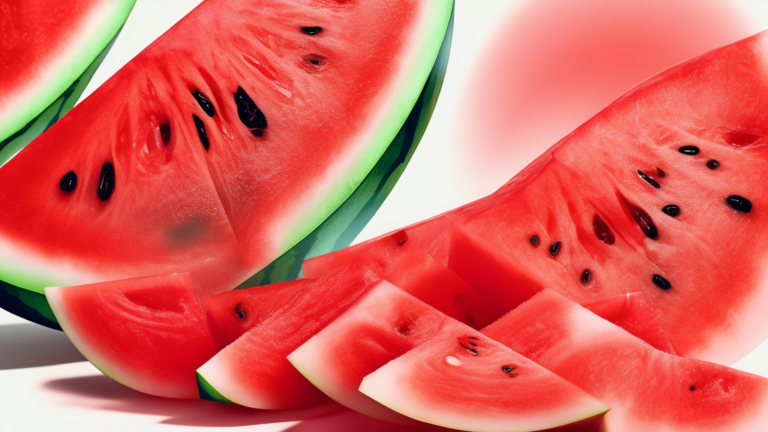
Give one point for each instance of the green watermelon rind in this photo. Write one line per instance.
(341, 228)
(105, 26)
(424, 55)
(336, 232)
(207, 391)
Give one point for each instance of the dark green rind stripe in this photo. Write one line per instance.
(341, 228)
(13, 144)
(27, 304)
(336, 232)
(207, 391)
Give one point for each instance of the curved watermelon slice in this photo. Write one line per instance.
(253, 370)
(461, 379)
(646, 389)
(149, 334)
(49, 50)
(660, 193)
(217, 167)
(387, 323)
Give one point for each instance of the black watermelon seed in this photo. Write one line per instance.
(469, 350)
(713, 164)
(602, 230)
(249, 113)
(645, 223)
(648, 178)
(661, 172)
(314, 61)
(200, 126)
(68, 183)
(534, 240)
(239, 311)
(692, 388)
(311, 30)
(204, 103)
(689, 150)
(671, 210)
(586, 276)
(661, 282)
(106, 181)
(508, 369)
(165, 132)
(555, 248)
(739, 203)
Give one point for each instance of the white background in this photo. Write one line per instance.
(46, 385)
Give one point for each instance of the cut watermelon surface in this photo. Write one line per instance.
(646, 389)
(253, 371)
(149, 334)
(660, 193)
(463, 380)
(49, 51)
(633, 313)
(217, 167)
(410, 268)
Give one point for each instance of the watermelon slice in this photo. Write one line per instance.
(387, 323)
(646, 389)
(461, 379)
(216, 167)
(633, 313)
(410, 268)
(49, 50)
(660, 193)
(253, 370)
(149, 333)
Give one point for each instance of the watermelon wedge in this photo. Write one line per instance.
(253, 370)
(387, 323)
(646, 389)
(461, 379)
(49, 50)
(660, 193)
(216, 167)
(149, 333)
(409, 267)
(633, 313)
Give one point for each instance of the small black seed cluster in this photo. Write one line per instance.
(471, 346)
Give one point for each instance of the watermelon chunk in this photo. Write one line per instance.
(647, 389)
(49, 50)
(387, 323)
(633, 313)
(461, 379)
(405, 264)
(217, 167)
(149, 333)
(660, 193)
(253, 370)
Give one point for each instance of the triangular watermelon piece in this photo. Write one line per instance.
(213, 156)
(647, 389)
(49, 51)
(461, 379)
(149, 333)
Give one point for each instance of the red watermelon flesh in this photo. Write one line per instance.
(253, 371)
(388, 322)
(220, 146)
(149, 333)
(233, 313)
(633, 313)
(461, 379)
(405, 264)
(588, 219)
(646, 389)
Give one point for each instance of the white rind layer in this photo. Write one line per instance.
(218, 376)
(97, 30)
